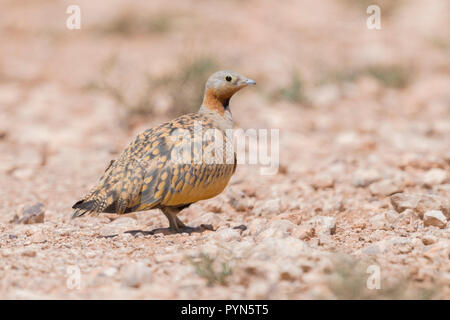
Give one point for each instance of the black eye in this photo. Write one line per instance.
(228, 78)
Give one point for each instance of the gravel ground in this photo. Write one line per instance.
(363, 187)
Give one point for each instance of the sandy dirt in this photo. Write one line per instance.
(364, 117)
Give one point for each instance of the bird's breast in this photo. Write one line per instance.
(202, 182)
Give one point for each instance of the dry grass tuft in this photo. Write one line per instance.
(388, 7)
(185, 86)
(131, 21)
(208, 268)
(390, 76)
(349, 277)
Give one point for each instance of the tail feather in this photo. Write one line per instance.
(116, 193)
(78, 213)
(82, 207)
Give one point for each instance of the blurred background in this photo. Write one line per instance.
(362, 113)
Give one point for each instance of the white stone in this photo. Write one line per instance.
(277, 229)
(269, 207)
(363, 178)
(435, 176)
(391, 216)
(288, 247)
(208, 218)
(109, 272)
(378, 221)
(135, 274)
(420, 203)
(434, 218)
(227, 234)
(322, 181)
(429, 239)
(385, 188)
(118, 226)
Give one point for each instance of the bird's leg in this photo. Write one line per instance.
(176, 225)
(180, 224)
(173, 220)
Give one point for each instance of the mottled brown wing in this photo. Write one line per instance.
(118, 189)
(177, 179)
(125, 185)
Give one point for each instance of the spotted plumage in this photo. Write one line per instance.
(169, 167)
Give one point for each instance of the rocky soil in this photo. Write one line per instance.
(364, 119)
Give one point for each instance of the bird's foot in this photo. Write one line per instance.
(138, 232)
(169, 231)
(199, 229)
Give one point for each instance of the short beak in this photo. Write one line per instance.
(250, 81)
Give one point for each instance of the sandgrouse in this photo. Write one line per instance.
(149, 173)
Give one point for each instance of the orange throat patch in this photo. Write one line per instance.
(214, 102)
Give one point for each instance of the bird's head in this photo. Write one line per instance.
(221, 86)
